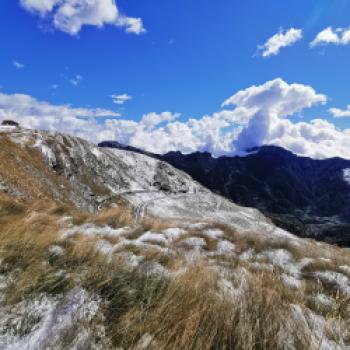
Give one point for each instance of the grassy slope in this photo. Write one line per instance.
(191, 310)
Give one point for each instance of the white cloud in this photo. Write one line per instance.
(121, 99)
(339, 113)
(76, 80)
(163, 132)
(339, 36)
(280, 40)
(270, 103)
(18, 65)
(151, 120)
(41, 6)
(259, 115)
(43, 115)
(70, 16)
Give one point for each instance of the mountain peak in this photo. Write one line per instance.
(269, 149)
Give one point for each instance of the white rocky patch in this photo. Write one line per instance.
(280, 258)
(22, 318)
(195, 243)
(97, 153)
(291, 281)
(247, 255)
(125, 244)
(213, 233)
(325, 300)
(173, 233)
(225, 248)
(284, 260)
(336, 278)
(94, 231)
(261, 266)
(45, 321)
(144, 342)
(153, 237)
(48, 154)
(56, 250)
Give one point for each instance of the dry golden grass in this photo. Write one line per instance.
(157, 256)
(114, 217)
(26, 172)
(157, 224)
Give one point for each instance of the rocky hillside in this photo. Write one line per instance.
(69, 169)
(112, 249)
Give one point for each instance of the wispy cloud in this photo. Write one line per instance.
(339, 36)
(17, 64)
(76, 80)
(340, 113)
(121, 99)
(280, 40)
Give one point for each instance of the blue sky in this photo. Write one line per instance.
(193, 55)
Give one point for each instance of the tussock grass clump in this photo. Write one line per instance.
(24, 253)
(10, 208)
(151, 223)
(122, 290)
(114, 217)
(193, 312)
(157, 256)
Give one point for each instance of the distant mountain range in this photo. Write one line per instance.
(308, 197)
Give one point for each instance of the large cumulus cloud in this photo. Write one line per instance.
(270, 103)
(252, 117)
